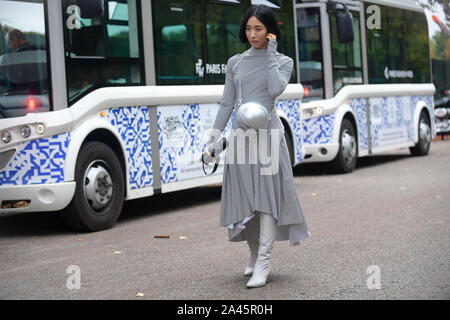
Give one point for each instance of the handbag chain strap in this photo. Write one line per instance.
(240, 78)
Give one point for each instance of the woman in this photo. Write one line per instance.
(257, 208)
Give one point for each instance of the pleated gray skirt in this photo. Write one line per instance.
(261, 186)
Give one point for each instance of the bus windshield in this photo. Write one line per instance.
(310, 53)
(24, 82)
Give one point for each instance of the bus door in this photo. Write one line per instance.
(347, 69)
(314, 63)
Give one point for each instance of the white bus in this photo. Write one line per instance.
(372, 94)
(104, 101)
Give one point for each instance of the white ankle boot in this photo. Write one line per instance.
(263, 265)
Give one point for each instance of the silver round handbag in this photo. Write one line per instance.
(252, 115)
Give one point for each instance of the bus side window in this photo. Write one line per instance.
(222, 33)
(178, 41)
(401, 44)
(103, 50)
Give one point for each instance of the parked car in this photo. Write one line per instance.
(441, 79)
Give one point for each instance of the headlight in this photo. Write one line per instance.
(25, 132)
(316, 111)
(6, 137)
(40, 128)
(440, 112)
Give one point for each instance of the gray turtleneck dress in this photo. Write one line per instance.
(245, 191)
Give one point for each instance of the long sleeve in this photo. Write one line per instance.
(228, 98)
(279, 72)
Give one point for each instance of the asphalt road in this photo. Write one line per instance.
(392, 212)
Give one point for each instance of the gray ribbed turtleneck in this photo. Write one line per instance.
(265, 75)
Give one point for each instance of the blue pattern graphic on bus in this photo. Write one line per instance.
(182, 131)
(392, 119)
(359, 107)
(180, 140)
(133, 126)
(37, 162)
(319, 130)
(292, 110)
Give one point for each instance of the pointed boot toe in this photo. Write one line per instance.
(256, 282)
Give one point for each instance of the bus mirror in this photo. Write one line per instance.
(90, 9)
(344, 21)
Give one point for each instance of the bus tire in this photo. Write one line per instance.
(345, 161)
(422, 148)
(290, 147)
(100, 190)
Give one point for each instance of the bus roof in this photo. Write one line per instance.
(404, 4)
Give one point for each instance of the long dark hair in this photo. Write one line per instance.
(265, 15)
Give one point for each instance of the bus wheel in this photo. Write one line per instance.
(290, 146)
(99, 193)
(423, 146)
(345, 160)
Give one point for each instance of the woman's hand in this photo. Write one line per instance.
(271, 36)
(208, 155)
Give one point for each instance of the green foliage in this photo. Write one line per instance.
(431, 5)
(440, 45)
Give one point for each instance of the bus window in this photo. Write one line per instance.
(223, 23)
(285, 19)
(103, 50)
(310, 53)
(417, 40)
(347, 57)
(193, 40)
(24, 83)
(177, 29)
(398, 52)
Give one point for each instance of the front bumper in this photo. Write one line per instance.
(320, 152)
(36, 198)
(442, 125)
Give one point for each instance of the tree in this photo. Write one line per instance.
(431, 5)
(440, 45)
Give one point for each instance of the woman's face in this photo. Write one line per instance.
(256, 33)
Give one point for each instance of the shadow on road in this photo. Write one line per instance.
(319, 169)
(166, 203)
(48, 224)
(32, 224)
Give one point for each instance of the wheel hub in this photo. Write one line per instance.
(425, 133)
(98, 186)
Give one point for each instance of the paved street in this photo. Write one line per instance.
(392, 212)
